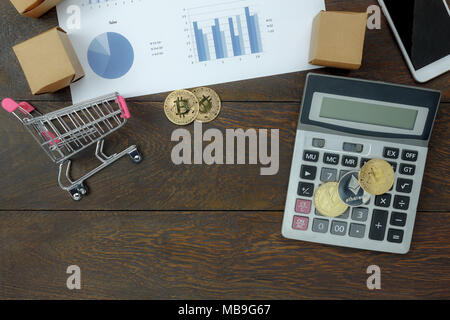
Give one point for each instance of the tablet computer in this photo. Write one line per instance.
(422, 29)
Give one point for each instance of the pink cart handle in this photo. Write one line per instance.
(26, 106)
(123, 106)
(10, 105)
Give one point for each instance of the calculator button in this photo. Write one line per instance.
(344, 215)
(331, 158)
(303, 206)
(409, 155)
(312, 156)
(300, 223)
(395, 235)
(408, 169)
(404, 185)
(308, 172)
(378, 225)
(339, 228)
(328, 175)
(360, 214)
(391, 153)
(348, 161)
(353, 147)
(357, 230)
(364, 161)
(398, 219)
(342, 173)
(318, 143)
(401, 202)
(383, 200)
(320, 225)
(305, 189)
(394, 165)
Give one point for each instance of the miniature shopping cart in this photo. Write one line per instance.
(66, 132)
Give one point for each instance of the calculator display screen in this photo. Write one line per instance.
(368, 113)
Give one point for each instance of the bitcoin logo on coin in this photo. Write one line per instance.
(181, 107)
(350, 191)
(209, 102)
(376, 177)
(327, 201)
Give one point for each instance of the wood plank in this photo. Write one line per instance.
(382, 61)
(206, 255)
(29, 178)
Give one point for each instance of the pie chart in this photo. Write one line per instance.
(110, 55)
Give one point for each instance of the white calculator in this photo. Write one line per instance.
(344, 123)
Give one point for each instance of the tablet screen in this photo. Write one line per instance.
(424, 27)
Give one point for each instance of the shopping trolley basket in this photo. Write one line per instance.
(66, 132)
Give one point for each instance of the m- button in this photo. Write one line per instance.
(391, 153)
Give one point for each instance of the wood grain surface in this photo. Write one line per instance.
(206, 255)
(160, 231)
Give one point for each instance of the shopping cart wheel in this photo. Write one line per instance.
(83, 190)
(136, 156)
(78, 192)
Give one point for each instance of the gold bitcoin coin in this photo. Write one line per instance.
(181, 107)
(210, 104)
(376, 177)
(327, 201)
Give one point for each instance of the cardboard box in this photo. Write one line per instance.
(337, 39)
(34, 8)
(49, 61)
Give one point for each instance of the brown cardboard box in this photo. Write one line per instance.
(34, 8)
(49, 61)
(337, 39)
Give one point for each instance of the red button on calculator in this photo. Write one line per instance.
(303, 206)
(300, 223)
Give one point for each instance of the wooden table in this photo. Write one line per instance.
(160, 231)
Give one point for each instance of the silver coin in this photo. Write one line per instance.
(350, 191)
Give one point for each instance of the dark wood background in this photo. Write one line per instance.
(158, 231)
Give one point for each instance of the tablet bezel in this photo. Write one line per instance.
(428, 72)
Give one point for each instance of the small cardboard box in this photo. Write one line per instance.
(34, 8)
(337, 39)
(49, 61)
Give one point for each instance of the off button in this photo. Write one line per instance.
(409, 155)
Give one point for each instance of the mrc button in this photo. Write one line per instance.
(391, 153)
(409, 155)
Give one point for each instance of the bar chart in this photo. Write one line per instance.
(225, 31)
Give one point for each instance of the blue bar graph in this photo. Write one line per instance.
(241, 37)
(234, 39)
(200, 41)
(225, 37)
(218, 40)
(253, 31)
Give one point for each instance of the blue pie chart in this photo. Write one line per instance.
(110, 55)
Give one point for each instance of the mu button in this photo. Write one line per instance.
(312, 156)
